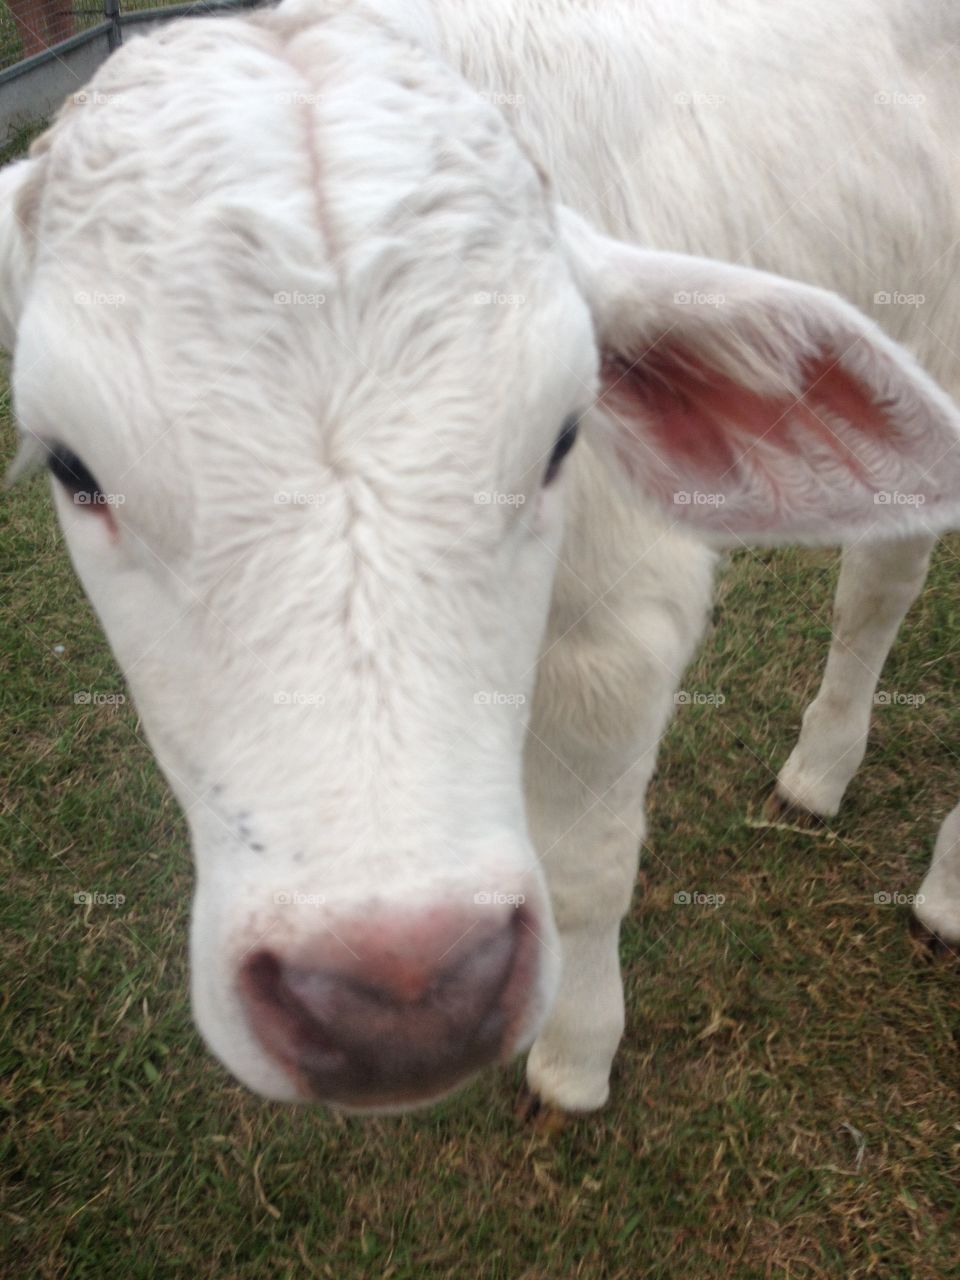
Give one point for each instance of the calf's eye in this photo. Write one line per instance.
(564, 443)
(66, 467)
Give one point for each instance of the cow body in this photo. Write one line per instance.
(362, 259)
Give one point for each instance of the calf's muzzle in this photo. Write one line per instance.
(387, 1012)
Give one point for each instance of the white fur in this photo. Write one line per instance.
(490, 678)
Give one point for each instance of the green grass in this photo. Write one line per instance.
(763, 1035)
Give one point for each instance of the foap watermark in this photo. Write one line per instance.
(494, 898)
(897, 98)
(897, 899)
(498, 99)
(494, 698)
(298, 298)
(694, 898)
(294, 898)
(94, 898)
(894, 698)
(897, 298)
(686, 498)
(697, 298)
(490, 298)
(91, 698)
(98, 298)
(98, 499)
(494, 498)
(94, 98)
(297, 498)
(896, 498)
(696, 99)
(294, 99)
(298, 698)
(695, 698)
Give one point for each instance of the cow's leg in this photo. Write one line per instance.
(938, 899)
(605, 694)
(878, 583)
(587, 824)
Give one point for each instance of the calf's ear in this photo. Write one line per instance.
(756, 409)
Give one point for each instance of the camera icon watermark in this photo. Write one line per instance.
(91, 698)
(488, 298)
(298, 498)
(686, 498)
(687, 98)
(896, 98)
(897, 899)
(298, 698)
(896, 498)
(298, 298)
(94, 898)
(895, 698)
(98, 298)
(694, 898)
(697, 298)
(496, 698)
(696, 698)
(494, 898)
(294, 898)
(494, 498)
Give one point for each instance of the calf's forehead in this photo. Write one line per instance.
(237, 208)
(345, 139)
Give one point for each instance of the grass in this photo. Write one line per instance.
(769, 1039)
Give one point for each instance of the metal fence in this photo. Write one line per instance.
(50, 48)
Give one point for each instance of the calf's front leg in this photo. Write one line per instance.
(602, 705)
(587, 825)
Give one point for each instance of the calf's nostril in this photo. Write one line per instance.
(401, 1020)
(475, 979)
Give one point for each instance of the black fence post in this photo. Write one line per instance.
(111, 11)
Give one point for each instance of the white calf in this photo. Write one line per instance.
(321, 295)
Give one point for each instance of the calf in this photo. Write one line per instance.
(307, 310)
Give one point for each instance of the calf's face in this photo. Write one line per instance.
(306, 456)
(304, 343)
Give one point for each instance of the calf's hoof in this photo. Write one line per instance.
(533, 1111)
(778, 808)
(566, 1086)
(930, 944)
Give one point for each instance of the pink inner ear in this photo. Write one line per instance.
(700, 422)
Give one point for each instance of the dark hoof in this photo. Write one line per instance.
(929, 945)
(777, 809)
(533, 1111)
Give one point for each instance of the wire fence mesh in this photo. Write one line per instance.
(28, 27)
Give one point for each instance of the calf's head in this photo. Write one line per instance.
(305, 341)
